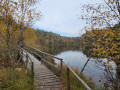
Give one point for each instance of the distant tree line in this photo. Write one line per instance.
(51, 41)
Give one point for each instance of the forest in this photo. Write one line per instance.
(48, 41)
(101, 40)
(15, 27)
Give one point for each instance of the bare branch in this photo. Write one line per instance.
(113, 10)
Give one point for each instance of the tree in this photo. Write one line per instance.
(8, 8)
(105, 14)
(14, 16)
(107, 42)
(27, 14)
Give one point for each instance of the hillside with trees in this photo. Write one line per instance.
(48, 41)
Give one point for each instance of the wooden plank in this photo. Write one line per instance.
(47, 88)
(49, 81)
(50, 84)
(47, 75)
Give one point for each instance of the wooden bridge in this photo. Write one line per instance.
(44, 78)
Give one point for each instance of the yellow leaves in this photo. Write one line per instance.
(15, 3)
(104, 63)
(98, 45)
(111, 1)
(26, 71)
(104, 52)
(114, 7)
(103, 43)
(107, 61)
(115, 68)
(110, 67)
(41, 87)
(29, 37)
(18, 69)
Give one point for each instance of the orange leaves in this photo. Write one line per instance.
(111, 1)
(29, 37)
(103, 43)
(15, 3)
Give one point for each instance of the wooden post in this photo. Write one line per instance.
(61, 66)
(32, 68)
(22, 56)
(26, 60)
(68, 79)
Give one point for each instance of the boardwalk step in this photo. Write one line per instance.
(40, 80)
(50, 86)
(45, 88)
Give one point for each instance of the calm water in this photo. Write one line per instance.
(77, 59)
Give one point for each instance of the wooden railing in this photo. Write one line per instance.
(46, 54)
(69, 69)
(27, 60)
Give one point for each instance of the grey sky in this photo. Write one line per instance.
(59, 16)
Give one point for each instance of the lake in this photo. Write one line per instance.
(94, 69)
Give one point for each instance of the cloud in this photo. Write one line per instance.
(60, 16)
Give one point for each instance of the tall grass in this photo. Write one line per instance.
(19, 79)
(74, 82)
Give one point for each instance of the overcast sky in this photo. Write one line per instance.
(59, 16)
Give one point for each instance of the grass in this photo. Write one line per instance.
(19, 79)
(74, 82)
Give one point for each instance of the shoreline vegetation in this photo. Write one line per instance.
(74, 82)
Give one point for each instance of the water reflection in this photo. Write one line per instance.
(76, 58)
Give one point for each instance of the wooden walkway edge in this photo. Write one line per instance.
(44, 78)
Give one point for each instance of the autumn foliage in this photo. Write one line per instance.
(104, 43)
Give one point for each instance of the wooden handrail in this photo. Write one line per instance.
(46, 54)
(26, 53)
(28, 58)
(47, 62)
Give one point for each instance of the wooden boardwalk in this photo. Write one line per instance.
(44, 78)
